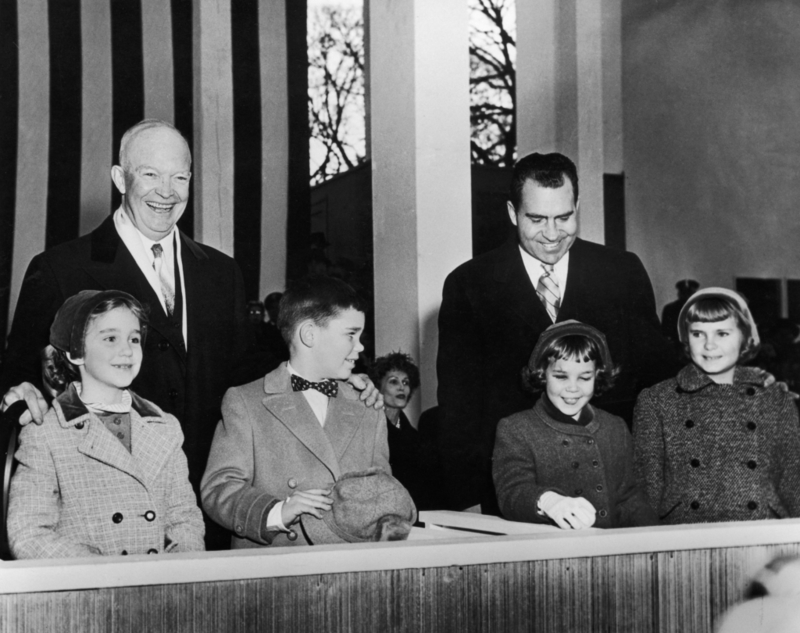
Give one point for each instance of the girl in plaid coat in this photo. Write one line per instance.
(105, 472)
(715, 443)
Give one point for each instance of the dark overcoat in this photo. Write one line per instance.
(489, 322)
(535, 453)
(709, 452)
(187, 381)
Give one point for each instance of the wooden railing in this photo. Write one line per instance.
(462, 572)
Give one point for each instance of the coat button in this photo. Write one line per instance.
(79, 425)
(173, 393)
(117, 517)
(292, 483)
(695, 505)
(152, 551)
(751, 391)
(292, 535)
(752, 464)
(595, 463)
(752, 505)
(239, 529)
(124, 552)
(695, 463)
(599, 487)
(575, 464)
(163, 345)
(590, 442)
(689, 424)
(578, 492)
(603, 513)
(565, 442)
(751, 426)
(150, 515)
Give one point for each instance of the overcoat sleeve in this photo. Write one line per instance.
(648, 446)
(515, 474)
(34, 505)
(227, 490)
(39, 300)
(465, 456)
(634, 507)
(788, 444)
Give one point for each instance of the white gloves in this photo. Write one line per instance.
(569, 513)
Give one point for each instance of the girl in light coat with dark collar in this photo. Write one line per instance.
(715, 443)
(105, 472)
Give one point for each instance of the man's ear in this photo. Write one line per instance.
(512, 212)
(75, 361)
(307, 332)
(118, 176)
(577, 205)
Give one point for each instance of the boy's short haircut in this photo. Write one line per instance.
(569, 347)
(317, 298)
(712, 309)
(63, 371)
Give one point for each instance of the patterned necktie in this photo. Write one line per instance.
(548, 291)
(327, 387)
(163, 275)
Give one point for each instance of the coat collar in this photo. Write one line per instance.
(540, 410)
(152, 445)
(344, 418)
(73, 410)
(691, 378)
(106, 242)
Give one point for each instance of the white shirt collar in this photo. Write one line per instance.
(534, 269)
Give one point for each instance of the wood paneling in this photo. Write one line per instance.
(641, 593)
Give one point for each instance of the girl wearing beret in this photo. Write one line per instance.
(715, 443)
(105, 472)
(564, 461)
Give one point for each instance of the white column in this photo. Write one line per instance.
(213, 126)
(569, 92)
(275, 145)
(159, 85)
(97, 151)
(421, 170)
(30, 217)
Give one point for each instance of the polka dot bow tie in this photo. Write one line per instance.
(327, 387)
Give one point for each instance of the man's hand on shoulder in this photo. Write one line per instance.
(369, 395)
(37, 405)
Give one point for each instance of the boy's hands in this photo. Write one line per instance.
(569, 513)
(314, 502)
(370, 395)
(37, 405)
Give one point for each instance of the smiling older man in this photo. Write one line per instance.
(198, 342)
(495, 306)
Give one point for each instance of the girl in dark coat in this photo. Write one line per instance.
(563, 461)
(715, 443)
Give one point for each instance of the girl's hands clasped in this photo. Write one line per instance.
(569, 513)
(313, 502)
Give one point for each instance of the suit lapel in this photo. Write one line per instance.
(113, 267)
(194, 263)
(575, 283)
(294, 412)
(342, 422)
(517, 290)
(151, 447)
(101, 445)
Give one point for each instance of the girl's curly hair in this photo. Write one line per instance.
(397, 361)
(569, 347)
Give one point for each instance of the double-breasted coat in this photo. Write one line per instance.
(708, 452)
(535, 453)
(270, 444)
(78, 491)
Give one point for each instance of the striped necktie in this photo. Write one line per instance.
(163, 275)
(548, 291)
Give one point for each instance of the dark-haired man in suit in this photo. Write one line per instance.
(495, 306)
